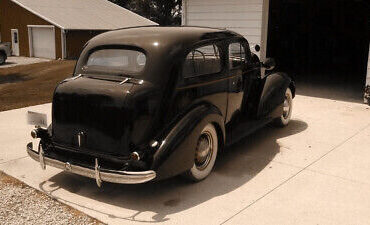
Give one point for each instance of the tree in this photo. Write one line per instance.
(163, 12)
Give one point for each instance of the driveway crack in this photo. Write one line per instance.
(12, 160)
(299, 172)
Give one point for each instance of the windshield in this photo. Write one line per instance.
(116, 60)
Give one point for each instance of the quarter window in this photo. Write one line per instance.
(202, 61)
(236, 55)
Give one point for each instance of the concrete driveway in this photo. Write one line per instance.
(315, 171)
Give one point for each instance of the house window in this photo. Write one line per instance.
(202, 61)
(15, 37)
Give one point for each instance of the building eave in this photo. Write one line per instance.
(37, 14)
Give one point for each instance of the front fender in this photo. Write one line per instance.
(176, 153)
(273, 94)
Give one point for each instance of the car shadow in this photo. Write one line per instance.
(236, 166)
(12, 78)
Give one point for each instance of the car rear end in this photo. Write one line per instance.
(102, 119)
(6, 48)
(5, 52)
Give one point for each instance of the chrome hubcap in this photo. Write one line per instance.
(286, 108)
(204, 150)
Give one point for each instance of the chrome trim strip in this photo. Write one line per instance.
(113, 176)
(131, 80)
(71, 78)
(140, 81)
(79, 136)
(124, 81)
(42, 158)
(76, 77)
(97, 173)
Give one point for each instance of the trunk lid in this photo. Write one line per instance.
(90, 115)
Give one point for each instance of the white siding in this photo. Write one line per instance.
(366, 100)
(241, 16)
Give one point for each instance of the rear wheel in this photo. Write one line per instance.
(2, 58)
(285, 118)
(205, 154)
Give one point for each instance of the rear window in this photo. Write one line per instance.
(118, 60)
(202, 61)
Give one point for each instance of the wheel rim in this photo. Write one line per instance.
(204, 150)
(286, 109)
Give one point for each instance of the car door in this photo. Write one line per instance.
(237, 73)
(244, 86)
(203, 79)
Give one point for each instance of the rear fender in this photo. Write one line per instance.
(177, 150)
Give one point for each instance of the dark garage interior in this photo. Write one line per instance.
(324, 44)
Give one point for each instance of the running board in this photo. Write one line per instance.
(242, 129)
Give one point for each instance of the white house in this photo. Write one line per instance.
(320, 40)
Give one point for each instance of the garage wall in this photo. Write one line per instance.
(76, 39)
(13, 16)
(242, 16)
(368, 70)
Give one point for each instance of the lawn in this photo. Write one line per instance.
(33, 84)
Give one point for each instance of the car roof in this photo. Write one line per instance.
(148, 37)
(163, 46)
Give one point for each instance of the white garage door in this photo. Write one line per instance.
(242, 16)
(368, 70)
(43, 42)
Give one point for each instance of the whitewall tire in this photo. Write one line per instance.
(205, 154)
(285, 118)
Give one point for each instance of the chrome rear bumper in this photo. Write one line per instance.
(112, 176)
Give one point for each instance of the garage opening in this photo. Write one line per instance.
(323, 43)
(42, 41)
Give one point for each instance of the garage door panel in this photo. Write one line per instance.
(43, 42)
(225, 16)
(242, 16)
(368, 69)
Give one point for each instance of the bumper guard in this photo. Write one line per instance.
(111, 176)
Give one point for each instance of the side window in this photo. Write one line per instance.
(202, 61)
(236, 55)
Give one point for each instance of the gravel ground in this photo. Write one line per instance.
(20, 204)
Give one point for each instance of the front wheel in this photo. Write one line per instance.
(205, 154)
(285, 118)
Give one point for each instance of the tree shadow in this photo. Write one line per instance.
(12, 78)
(236, 166)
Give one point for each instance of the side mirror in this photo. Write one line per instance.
(257, 48)
(269, 64)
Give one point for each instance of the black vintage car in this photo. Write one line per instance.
(148, 103)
